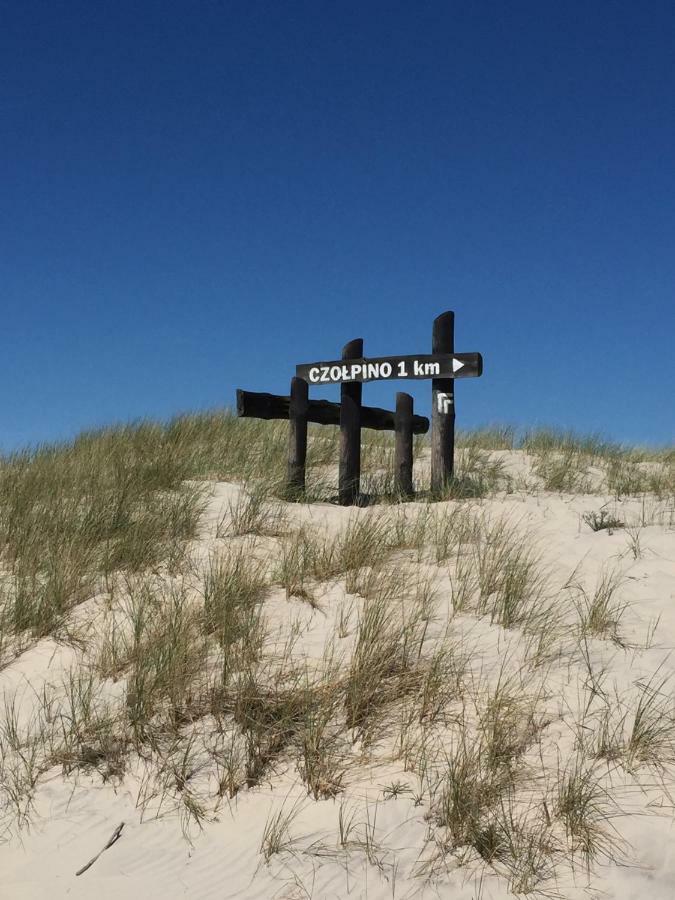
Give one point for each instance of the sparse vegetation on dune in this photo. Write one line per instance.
(219, 641)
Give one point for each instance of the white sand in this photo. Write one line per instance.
(74, 816)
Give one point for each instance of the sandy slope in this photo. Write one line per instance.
(153, 859)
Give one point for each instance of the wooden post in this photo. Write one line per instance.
(442, 407)
(350, 431)
(403, 454)
(297, 437)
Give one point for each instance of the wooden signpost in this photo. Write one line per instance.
(442, 366)
(389, 368)
(443, 406)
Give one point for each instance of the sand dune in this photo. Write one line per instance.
(162, 853)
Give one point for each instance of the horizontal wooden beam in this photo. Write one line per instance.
(255, 405)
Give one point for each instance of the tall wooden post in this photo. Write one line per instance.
(350, 431)
(297, 437)
(403, 453)
(442, 407)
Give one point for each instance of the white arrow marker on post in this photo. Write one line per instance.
(443, 402)
(457, 365)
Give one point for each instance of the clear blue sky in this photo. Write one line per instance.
(197, 196)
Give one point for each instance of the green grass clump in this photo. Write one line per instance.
(602, 521)
(632, 475)
(233, 590)
(476, 475)
(72, 514)
(489, 437)
(600, 611)
(548, 440)
(563, 470)
(586, 807)
(163, 688)
(500, 574)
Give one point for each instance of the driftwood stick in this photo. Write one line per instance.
(114, 837)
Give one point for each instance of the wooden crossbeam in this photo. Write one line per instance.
(259, 405)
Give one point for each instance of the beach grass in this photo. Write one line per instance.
(190, 648)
